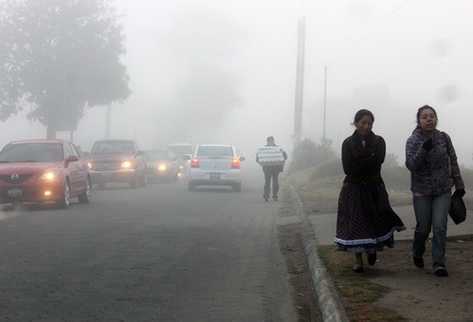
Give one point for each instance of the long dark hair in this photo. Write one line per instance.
(362, 113)
(420, 110)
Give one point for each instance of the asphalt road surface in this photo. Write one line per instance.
(159, 253)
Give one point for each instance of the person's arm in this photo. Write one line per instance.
(415, 154)
(347, 158)
(380, 153)
(284, 154)
(456, 174)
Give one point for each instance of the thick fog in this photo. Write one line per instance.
(223, 71)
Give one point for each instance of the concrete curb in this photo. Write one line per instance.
(329, 301)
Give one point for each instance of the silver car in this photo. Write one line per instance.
(215, 165)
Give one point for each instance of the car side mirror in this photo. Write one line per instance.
(242, 159)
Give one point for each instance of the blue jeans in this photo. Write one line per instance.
(431, 211)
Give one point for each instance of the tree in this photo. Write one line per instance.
(59, 57)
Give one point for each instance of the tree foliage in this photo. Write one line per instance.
(58, 57)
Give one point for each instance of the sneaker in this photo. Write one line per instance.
(418, 261)
(440, 271)
(266, 198)
(275, 198)
(357, 268)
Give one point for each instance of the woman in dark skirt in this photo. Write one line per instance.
(365, 220)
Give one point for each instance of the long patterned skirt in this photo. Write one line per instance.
(366, 221)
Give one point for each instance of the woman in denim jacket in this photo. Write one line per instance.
(431, 159)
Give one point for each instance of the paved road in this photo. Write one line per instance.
(154, 254)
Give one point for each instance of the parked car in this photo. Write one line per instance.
(161, 165)
(215, 165)
(43, 171)
(117, 161)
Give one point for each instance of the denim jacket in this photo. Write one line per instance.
(433, 172)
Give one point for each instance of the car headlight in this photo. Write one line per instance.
(90, 165)
(126, 165)
(49, 176)
(162, 167)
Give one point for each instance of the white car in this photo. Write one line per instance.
(215, 165)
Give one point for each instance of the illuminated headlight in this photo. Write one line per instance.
(126, 165)
(49, 176)
(181, 167)
(162, 167)
(90, 165)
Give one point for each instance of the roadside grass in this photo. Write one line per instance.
(358, 292)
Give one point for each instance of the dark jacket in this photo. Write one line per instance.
(362, 161)
(433, 172)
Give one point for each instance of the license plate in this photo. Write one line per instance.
(15, 193)
(215, 176)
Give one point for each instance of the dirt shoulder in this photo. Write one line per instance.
(395, 290)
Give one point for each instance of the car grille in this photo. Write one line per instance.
(12, 179)
(107, 166)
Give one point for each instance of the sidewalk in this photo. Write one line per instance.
(325, 224)
(394, 284)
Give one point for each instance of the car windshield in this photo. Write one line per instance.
(32, 152)
(157, 155)
(215, 151)
(113, 147)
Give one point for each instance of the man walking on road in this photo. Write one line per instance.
(272, 158)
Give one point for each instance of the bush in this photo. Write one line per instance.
(331, 168)
(308, 154)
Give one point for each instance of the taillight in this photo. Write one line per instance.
(236, 164)
(195, 163)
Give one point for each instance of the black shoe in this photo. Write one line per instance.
(418, 261)
(440, 271)
(372, 258)
(357, 268)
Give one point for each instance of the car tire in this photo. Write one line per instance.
(66, 199)
(84, 197)
(237, 187)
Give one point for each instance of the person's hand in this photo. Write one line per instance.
(459, 193)
(428, 145)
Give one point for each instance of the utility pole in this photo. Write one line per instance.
(324, 135)
(299, 93)
(108, 120)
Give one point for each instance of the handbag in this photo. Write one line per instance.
(457, 210)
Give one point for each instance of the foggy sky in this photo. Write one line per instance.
(388, 56)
